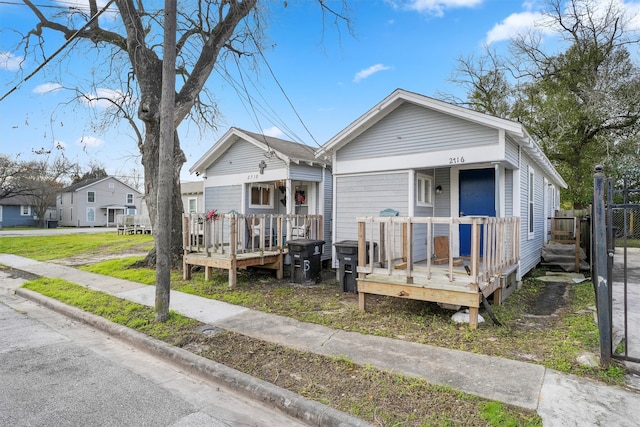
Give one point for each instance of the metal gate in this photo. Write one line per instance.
(616, 268)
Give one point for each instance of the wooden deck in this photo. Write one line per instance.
(234, 241)
(397, 274)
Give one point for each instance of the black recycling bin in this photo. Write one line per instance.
(306, 260)
(347, 254)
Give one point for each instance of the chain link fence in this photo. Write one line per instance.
(626, 223)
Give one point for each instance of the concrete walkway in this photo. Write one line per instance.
(561, 400)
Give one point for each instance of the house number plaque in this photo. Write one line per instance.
(456, 160)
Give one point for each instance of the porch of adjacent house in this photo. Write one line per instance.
(232, 241)
(402, 262)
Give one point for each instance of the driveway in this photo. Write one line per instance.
(632, 302)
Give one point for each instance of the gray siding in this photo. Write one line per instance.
(242, 157)
(413, 129)
(442, 206)
(367, 195)
(223, 199)
(327, 214)
(531, 249)
(508, 192)
(511, 152)
(305, 173)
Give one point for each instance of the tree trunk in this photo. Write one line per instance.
(165, 166)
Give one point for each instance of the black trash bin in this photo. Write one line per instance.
(306, 260)
(347, 254)
(51, 223)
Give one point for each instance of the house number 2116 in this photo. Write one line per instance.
(456, 160)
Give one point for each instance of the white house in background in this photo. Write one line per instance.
(192, 196)
(252, 173)
(96, 202)
(424, 157)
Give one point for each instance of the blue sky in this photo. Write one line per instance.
(329, 76)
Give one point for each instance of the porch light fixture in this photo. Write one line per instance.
(439, 189)
(262, 165)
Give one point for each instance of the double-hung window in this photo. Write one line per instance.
(424, 190)
(91, 196)
(261, 196)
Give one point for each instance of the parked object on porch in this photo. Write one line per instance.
(441, 252)
(306, 260)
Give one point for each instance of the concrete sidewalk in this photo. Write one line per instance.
(561, 400)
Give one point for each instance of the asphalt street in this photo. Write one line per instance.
(56, 372)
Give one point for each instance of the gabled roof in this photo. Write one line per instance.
(15, 201)
(191, 187)
(90, 182)
(288, 151)
(400, 96)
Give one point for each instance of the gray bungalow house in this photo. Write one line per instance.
(97, 202)
(421, 157)
(251, 173)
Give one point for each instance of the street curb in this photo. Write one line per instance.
(288, 402)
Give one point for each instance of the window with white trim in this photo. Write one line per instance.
(91, 214)
(25, 210)
(60, 215)
(91, 196)
(530, 212)
(424, 190)
(71, 214)
(192, 205)
(261, 196)
(129, 198)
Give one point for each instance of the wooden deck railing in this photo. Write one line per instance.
(232, 234)
(403, 246)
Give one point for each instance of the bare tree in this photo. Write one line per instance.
(44, 182)
(581, 103)
(12, 177)
(130, 48)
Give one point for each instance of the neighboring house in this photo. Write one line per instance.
(252, 173)
(424, 157)
(192, 196)
(97, 202)
(16, 211)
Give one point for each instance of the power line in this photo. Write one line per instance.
(64, 45)
(282, 89)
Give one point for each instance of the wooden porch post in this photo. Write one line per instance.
(362, 260)
(233, 242)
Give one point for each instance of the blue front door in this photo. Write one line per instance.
(477, 198)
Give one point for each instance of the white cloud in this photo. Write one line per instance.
(10, 62)
(367, 72)
(273, 131)
(512, 25)
(433, 7)
(529, 19)
(103, 98)
(47, 87)
(89, 141)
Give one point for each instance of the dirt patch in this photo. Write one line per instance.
(550, 299)
(380, 397)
